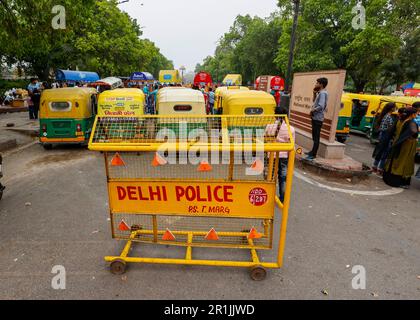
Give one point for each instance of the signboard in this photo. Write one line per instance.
(302, 101)
(267, 83)
(212, 199)
(120, 106)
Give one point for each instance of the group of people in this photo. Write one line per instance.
(209, 96)
(394, 155)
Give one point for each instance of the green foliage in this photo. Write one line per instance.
(246, 49)
(326, 39)
(98, 37)
(385, 53)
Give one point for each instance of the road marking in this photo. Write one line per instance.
(388, 192)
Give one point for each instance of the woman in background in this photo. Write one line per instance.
(400, 164)
(385, 125)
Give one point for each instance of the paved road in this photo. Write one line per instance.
(54, 212)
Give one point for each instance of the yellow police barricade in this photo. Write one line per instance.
(208, 187)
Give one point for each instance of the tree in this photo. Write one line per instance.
(249, 48)
(98, 36)
(326, 38)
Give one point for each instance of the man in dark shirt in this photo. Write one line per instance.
(317, 114)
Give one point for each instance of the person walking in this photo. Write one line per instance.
(384, 124)
(318, 114)
(400, 165)
(153, 98)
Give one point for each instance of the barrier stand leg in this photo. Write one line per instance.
(118, 266)
(285, 207)
(155, 231)
(257, 272)
(188, 255)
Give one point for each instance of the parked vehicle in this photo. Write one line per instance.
(219, 94)
(170, 76)
(175, 102)
(67, 116)
(232, 80)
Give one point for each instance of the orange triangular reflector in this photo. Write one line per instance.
(212, 235)
(158, 160)
(124, 226)
(117, 161)
(258, 165)
(253, 234)
(168, 236)
(204, 166)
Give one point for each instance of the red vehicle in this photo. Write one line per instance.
(202, 79)
(268, 83)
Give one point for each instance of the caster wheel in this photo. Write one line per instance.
(118, 267)
(258, 273)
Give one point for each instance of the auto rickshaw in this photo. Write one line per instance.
(219, 93)
(232, 80)
(127, 103)
(173, 102)
(344, 119)
(67, 116)
(170, 76)
(250, 103)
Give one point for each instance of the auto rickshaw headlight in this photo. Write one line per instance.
(78, 127)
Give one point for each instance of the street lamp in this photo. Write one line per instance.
(182, 68)
(285, 100)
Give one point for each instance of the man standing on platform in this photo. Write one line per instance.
(317, 114)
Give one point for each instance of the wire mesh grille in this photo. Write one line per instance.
(207, 129)
(200, 225)
(240, 166)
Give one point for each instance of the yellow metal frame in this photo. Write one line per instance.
(188, 260)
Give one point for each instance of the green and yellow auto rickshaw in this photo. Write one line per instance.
(67, 116)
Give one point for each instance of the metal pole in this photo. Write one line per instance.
(292, 45)
(285, 98)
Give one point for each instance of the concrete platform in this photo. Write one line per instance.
(346, 167)
(327, 150)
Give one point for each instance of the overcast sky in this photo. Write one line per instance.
(186, 31)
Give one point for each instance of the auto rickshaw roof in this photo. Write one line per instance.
(68, 93)
(180, 95)
(249, 97)
(123, 92)
(71, 75)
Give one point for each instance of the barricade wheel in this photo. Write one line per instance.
(258, 273)
(118, 267)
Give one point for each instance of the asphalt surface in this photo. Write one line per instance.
(55, 212)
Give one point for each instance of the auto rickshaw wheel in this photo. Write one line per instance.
(118, 267)
(47, 146)
(258, 273)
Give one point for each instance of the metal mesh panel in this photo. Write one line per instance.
(155, 129)
(195, 224)
(139, 165)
